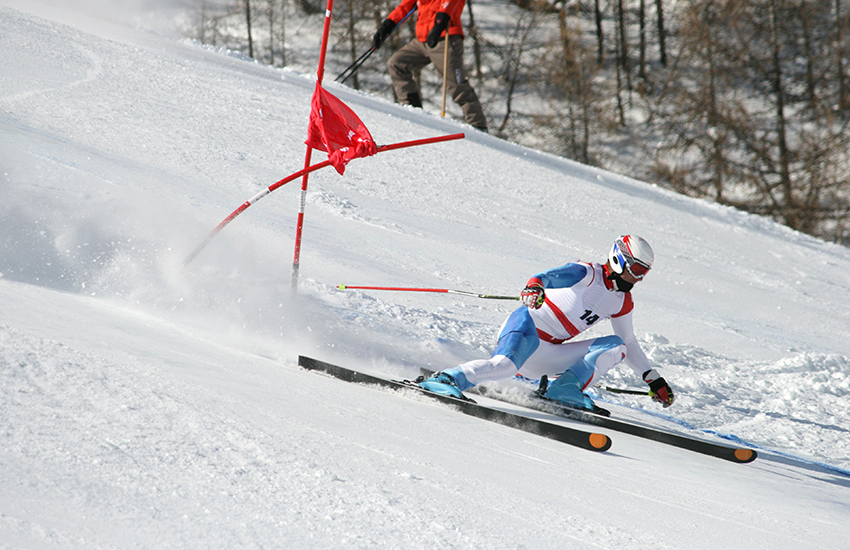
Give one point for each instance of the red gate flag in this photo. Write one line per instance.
(337, 130)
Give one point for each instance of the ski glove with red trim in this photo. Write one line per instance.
(533, 294)
(659, 389)
(441, 22)
(384, 31)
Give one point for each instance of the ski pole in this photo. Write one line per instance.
(445, 71)
(356, 65)
(621, 390)
(372, 49)
(443, 290)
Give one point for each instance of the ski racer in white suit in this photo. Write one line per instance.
(558, 305)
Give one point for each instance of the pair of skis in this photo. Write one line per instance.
(592, 441)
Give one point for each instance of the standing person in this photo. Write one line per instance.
(558, 305)
(434, 20)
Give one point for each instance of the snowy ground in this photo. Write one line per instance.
(144, 404)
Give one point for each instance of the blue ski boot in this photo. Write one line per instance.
(566, 389)
(442, 383)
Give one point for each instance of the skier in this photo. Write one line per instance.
(559, 304)
(436, 18)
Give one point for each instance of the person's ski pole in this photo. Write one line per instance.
(356, 65)
(372, 49)
(621, 390)
(443, 290)
(445, 71)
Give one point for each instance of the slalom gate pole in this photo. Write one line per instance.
(299, 224)
(372, 49)
(320, 73)
(248, 203)
(443, 290)
(287, 179)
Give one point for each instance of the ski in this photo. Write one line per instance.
(601, 417)
(740, 455)
(572, 436)
(543, 401)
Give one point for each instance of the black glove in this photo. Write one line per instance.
(659, 389)
(441, 22)
(384, 31)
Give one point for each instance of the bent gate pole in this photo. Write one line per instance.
(304, 172)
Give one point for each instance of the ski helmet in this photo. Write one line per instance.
(632, 253)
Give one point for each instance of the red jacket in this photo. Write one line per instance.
(428, 9)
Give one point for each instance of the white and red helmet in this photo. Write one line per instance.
(631, 253)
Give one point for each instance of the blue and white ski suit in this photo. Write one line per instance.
(541, 341)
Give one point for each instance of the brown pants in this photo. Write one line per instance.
(415, 55)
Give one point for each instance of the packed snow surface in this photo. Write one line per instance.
(149, 404)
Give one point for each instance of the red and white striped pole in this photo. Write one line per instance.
(300, 173)
(296, 261)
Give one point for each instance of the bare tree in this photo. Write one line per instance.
(789, 201)
(600, 46)
(512, 70)
(573, 97)
(841, 22)
(472, 32)
(270, 12)
(745, 107)
(642, 40)
(248, 26)
(283, 33)
(662, 33)
(747, 101)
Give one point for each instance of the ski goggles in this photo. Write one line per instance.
(635, 267)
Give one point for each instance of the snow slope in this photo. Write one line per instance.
(148, 404)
